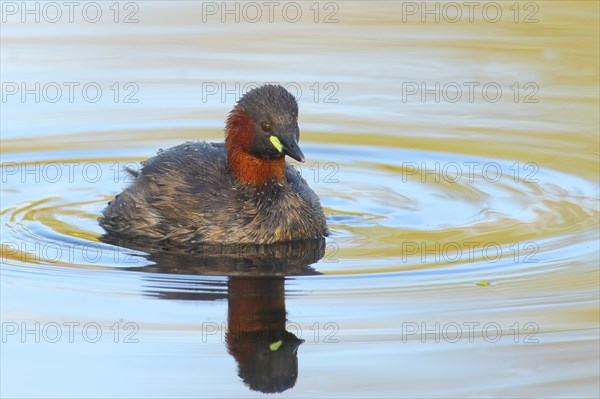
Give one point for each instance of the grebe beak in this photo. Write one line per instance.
(291, 148)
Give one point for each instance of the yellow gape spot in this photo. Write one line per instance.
(276, 143)
(275, 345)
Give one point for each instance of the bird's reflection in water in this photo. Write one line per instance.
(256, 336)
(266, 353)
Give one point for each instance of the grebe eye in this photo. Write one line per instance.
(266, 127)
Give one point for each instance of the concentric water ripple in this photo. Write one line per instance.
(429, 216)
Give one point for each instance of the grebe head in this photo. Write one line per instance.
(264, 124)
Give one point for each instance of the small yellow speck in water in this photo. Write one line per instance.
(483, 283)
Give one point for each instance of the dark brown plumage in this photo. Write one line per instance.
(240, 192)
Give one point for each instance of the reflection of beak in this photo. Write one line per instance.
(291, 148)
(296, 343)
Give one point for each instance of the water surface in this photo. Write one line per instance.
(463, 259)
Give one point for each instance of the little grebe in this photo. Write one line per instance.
(239, 192)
